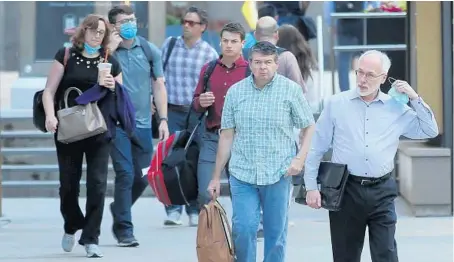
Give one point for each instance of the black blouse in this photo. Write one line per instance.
(80, 72)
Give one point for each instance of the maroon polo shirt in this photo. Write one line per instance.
(220, 81)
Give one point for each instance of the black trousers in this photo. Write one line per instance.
(365, 206)
(70, 159)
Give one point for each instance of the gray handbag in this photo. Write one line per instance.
(79, 122)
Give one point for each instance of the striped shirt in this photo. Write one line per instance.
(263, 119)
(183, 69)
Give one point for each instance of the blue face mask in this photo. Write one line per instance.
(128, 30)
(396, 95)
(91, 50)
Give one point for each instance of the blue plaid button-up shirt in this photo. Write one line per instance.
(183, 69)
(263, 119)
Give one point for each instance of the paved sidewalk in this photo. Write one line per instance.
(36, 228)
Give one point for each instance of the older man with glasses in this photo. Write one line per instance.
(363, 127)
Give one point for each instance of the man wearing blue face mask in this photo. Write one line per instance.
(140, 78)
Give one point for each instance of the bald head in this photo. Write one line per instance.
(266, 28)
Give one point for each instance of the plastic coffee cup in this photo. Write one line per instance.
(103, 70)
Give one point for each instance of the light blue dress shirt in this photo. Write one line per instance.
(365, 136)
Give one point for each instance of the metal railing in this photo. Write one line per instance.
(365, 46)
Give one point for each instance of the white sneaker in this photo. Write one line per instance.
(93, 251)
(193, 220)
(68, 242)
(173, 219)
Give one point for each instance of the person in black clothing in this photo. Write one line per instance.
(294, 13)
(79, 69)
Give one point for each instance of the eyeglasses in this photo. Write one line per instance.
(368, 76)
(96, 32)
(127, 20)
(189, 22)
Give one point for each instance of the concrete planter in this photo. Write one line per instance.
(425, 180)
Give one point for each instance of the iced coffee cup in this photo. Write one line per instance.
(103, 70)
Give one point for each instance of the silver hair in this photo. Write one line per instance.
(385, 61)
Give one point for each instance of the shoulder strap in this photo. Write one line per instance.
(207, 74)
(206, 78)
(172, 42)
(66, 57)
(147, 51)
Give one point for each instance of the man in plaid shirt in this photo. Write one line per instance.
(181, 73)
(257, 139)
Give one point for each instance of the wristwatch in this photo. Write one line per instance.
(164, 119)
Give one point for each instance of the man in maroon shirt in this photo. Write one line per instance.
(229, 69)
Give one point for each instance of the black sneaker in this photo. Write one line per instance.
(128, 242)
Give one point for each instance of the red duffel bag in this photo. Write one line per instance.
(173, 170)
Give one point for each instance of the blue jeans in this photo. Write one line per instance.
(177, 121)
(344, 61)
(247, 199)
(128, 161)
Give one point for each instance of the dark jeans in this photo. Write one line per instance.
(128, 160)
(177, 121)
(371, 206)
(70, 158)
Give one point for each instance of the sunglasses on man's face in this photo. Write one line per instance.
(189, 22)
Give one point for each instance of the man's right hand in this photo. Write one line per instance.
(115, 41)
(314, 199)
(206, 99)
(214, 188)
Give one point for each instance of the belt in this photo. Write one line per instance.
(369, 181)
(179, 108)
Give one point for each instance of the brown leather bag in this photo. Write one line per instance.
(214, 235)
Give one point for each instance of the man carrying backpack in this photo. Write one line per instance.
(142, 76)
(185, 56)
(216, 77)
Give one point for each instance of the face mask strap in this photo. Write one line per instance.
(391, 80)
